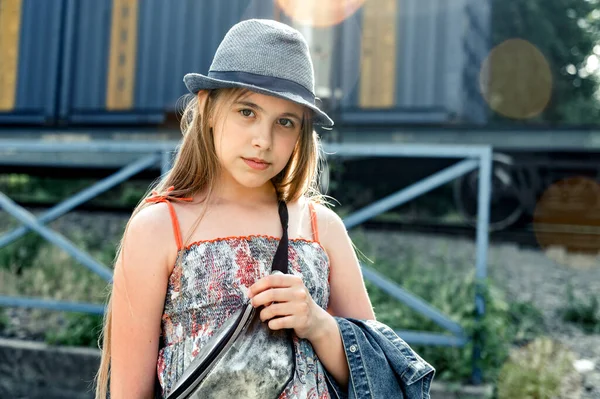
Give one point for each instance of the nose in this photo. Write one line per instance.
(263, 136)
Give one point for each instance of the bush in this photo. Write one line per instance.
(453, 293)
(21, 254)
(542, 370)
(526, 322)
(79, 329)
(585, 313)
(455, 298)
(3, 319)
(55, 275)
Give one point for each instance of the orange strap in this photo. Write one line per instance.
(166, 198)
(313, 221)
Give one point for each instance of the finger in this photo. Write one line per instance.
(277, 310)
(281, 323)
(272, 281)
(272, 295)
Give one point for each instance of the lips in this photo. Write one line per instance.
(257, 160)
(256, 163)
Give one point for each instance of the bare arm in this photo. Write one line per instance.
(140, 284)
(348, 295)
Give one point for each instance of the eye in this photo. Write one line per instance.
(285, 122)
(246, 112)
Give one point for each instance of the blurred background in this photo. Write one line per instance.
(520, 77)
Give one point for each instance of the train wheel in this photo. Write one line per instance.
(505, 206)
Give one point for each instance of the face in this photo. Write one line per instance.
(255, 136)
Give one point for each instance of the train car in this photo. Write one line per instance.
(111, 62)
(30, 52)
(126, 58)
(414, 62)
(107, 62)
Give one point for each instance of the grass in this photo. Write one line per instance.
(537, 371)
(584, 312)
(78, 329)
(31, 267)
(451, 290)
(53, 274)
(3, 319)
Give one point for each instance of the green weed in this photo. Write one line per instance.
(541, 370)
(583, 312)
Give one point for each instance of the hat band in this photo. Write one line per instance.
(265, 82)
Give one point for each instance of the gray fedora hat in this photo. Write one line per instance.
(267, 57)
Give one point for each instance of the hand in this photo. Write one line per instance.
(286, 297)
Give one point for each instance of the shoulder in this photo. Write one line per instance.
(326, 214)
(150, 232)
(152, 218)
(332, 231)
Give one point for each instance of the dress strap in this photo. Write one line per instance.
(166, 198)
(313, 221)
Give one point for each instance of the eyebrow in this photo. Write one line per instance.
(259, 108)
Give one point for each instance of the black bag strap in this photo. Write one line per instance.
(280, 261)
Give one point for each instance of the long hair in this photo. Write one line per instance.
(195, 169)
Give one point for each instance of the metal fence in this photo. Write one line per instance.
(151, 154)
(474, 157)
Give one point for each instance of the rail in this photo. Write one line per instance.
(151, 153)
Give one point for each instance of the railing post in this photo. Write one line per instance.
(483, 216)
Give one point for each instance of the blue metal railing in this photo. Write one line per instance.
(477, 157)
(154, 153)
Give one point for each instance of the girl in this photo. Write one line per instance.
(204, 241)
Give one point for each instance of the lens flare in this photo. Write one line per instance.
(516, 80)
(320, 14)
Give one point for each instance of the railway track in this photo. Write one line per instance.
(524, 236)
(87, 207)
(574, 238)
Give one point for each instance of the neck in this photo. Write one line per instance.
(229, 191)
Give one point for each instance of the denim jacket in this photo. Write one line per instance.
(381, 364)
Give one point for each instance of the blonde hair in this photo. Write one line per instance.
(195, 169)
